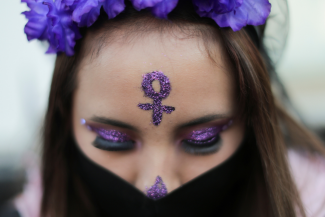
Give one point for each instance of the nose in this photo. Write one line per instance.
(157, 162)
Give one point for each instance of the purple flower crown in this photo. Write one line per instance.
(58, 21)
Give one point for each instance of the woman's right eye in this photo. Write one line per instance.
(112, 140)
(113, 146)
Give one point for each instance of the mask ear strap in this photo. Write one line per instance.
(253, 33)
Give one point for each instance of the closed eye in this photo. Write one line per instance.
(202, 147)
(111, 140)
(204, 141)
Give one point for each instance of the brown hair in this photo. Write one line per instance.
(271, 127)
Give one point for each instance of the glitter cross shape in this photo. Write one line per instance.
(165, 89)
(158, 190)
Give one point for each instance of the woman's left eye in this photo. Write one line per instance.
(209, 146)
(203, 142)
(112, 140)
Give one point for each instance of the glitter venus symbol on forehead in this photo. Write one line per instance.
(165, 89)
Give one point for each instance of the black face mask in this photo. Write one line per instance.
(222, 191)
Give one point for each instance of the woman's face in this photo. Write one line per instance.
(120, 135)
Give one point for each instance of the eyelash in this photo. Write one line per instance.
(108, 145)
(205, 147)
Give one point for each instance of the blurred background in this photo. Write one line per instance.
(25, 75)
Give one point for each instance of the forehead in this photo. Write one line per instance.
(110, 84)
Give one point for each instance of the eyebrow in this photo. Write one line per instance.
(112, 122)
(200, 120)
(204, 119)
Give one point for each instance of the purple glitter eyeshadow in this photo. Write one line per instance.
(209, 133)
(204, 134)
(165, 89)
(158, 190)
(111, 135)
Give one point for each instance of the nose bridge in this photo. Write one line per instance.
(157, 159)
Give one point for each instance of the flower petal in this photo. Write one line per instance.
(113, 7)
(86, 12)
(203, 7)
(257, 11)
(226, 6)
(236, 19)
(62, 31)
(89, 18)
(163, 8)
(36, 26)
(141, 4)
(243, 12)
(69, 2)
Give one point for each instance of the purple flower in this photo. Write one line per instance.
(48, 20)
(163, 8)
(86, 12)
(62, 31)
(159, 8)
(57, 20)
(69, 2)
(142, 4)
(113, 7)
(204, 7)
(36, 26)
(257, 11)
(234, 13)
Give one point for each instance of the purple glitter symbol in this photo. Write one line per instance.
(158, 190)
(165, 89)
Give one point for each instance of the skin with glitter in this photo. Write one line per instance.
(198, 136)
(165, 89)
(110, 135)
(201, 136)
(158, 190)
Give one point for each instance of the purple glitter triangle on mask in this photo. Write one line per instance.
(158, 190)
